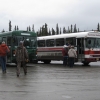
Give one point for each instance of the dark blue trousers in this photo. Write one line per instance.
(71, 61)
(65, 60)
(3, 62)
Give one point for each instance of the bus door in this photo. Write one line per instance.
(9, 44)
(80, 49)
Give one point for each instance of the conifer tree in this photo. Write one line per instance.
(64, 30)
(75, 30)
(68, 30)
(53, 32)
(49, 32)
(29, 28)
(17, 28)
(3, 30)
(45, 30)
(78, 29)
(37, 33)
(71, 28)
(10, 25)
(57, 29)
(98, 27)
(33, 28)
(40, 33)
(60, 30)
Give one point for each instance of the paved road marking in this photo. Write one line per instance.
(67, 97)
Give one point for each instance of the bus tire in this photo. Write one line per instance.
(35, 61)
(85, 63)
(47, 61)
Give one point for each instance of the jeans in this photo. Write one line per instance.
(3, 62)
(71, 61)
(65, 60)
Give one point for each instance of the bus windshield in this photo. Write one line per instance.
(28, 41)
(93, 42)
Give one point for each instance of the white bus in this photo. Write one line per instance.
(87, 45)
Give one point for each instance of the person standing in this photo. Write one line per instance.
(65, 55)
(72, 55)
(3, 53)
(21, 56)
(68, 43)
(68, 55)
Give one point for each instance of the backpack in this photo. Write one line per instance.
(21, 54)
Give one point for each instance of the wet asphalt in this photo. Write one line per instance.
(51, 82)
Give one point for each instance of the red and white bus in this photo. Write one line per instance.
(87, 46)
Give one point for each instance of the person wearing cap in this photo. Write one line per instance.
(65, 55)
(68, 43)
(72, 55)
(3, 53)
(21, 56)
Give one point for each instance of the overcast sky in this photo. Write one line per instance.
(84, 13)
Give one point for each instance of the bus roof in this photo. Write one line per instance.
(19, 33)
(68, 35)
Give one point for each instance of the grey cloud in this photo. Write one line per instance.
(84, 13)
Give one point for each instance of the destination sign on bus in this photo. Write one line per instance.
(25, 34)
(93, 34)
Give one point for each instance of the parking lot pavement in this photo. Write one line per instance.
(51, 82)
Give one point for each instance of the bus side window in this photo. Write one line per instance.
(50, 43)
(68, 41)
(41, 43)
(60, 42)
(89, 43)
(71, 41)
(9, 41)
(97, 43)
(74, 42)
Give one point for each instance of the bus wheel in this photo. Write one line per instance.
(35, 61)
(86, 63)
(47, 61)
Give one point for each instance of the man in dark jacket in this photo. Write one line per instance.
(3, 53)
(65, 55)
(21, 56)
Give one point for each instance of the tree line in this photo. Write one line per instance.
(44, 31)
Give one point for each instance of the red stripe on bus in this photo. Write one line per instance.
(91, 52)
(49, 49)
(60, 49)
